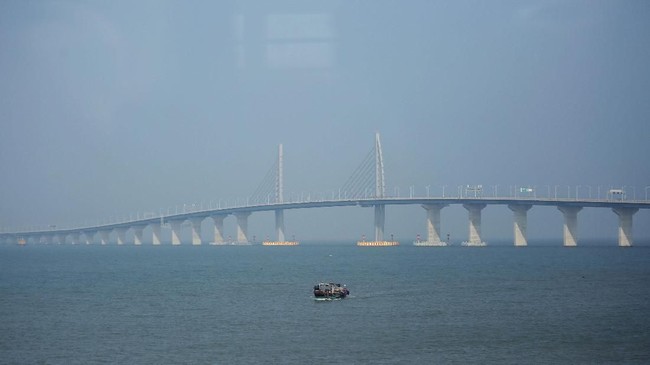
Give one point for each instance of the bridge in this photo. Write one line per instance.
(364, 188)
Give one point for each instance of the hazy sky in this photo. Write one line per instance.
(108, 108)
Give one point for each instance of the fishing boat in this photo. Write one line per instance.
(330, 291)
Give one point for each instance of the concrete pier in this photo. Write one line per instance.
(74, 237)
(520, 223)
(474, 211)
(218, 229)
(433, 224)
(60, 238)
(137, 234)
(88, 237)
(176, 232)
(380, 219)
(121, 235)
(279, 224)
(242, 227)
(570, 224)
(155, 234)
(196, 230)
(625, 216)
(103, 237)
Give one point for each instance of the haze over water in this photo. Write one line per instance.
(118, 109)
(113, 109)
(152, 305)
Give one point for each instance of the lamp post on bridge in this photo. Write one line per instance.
(556, 186)
(577, 186)
(428, 186)
(443, 190)
(646, 192)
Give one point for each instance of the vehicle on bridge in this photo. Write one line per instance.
(616, 194)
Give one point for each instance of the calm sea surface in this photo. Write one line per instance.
(253, 305)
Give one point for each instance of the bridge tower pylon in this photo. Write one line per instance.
(380, 191)
(279, 197)
(273, 187)
(356, 183)
(380, 185)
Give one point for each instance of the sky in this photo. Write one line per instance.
(112, 109)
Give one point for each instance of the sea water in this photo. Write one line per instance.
(254, 305)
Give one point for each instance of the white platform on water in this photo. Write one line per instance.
(432, 244)
(473, 244)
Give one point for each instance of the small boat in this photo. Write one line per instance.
(330, 291)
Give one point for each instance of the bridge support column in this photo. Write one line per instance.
(570, 225)
(137, 235)
(625, 225)
(121, 235)
(74, 237)
(103, 237)
(433, 224)
(45, 239)
(279, 224)
(176, 232)
(155, 234)
(380, 219)
(60, 238)
(242, 227)
(89, 237)
(196, 230)
(474, 224)
(218, 228)
(520, 223)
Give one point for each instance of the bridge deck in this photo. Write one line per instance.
(369, 202)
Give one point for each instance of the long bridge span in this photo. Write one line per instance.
(432, 205)
(358, 191)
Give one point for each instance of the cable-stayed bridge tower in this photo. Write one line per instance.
(271, 192)
(367, 182)
(380, 191)
(279, 198)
